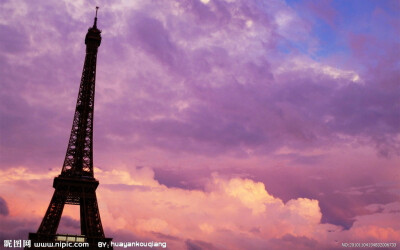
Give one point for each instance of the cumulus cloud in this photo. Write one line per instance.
(234, 213)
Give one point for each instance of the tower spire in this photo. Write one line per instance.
(95, 18)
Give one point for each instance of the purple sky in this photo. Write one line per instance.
(299, 96)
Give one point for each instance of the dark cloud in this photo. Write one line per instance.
(3, 207)
(16, 229)
(150, 35)
(193, 179)
(69, 225)
(198, 245)
(294, 242)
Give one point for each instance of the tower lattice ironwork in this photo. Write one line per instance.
(76, 184)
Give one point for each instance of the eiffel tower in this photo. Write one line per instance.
(76, 184)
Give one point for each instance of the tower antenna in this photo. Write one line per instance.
(95, 18)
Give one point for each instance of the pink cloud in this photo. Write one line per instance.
(231, 213)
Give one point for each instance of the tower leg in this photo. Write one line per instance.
(52, 218)
(90, 216)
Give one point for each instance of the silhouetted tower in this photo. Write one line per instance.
(76, 184)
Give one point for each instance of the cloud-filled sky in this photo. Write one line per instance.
(219, 124)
